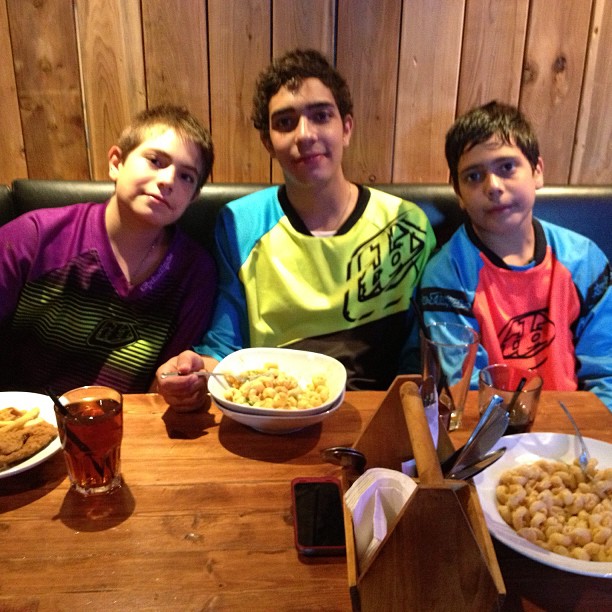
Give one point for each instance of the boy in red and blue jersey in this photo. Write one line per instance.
(538, 294)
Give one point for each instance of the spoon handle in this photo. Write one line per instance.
(199, 373)
(220, 376)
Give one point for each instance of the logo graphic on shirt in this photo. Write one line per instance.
(597, 290)
(526, 335)
(113, 333)
(378, 268)
(437, 299)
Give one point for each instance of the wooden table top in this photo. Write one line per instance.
(203, 521)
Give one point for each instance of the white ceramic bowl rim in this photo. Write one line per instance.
(300, 364)
(278, 425)
(295, 415)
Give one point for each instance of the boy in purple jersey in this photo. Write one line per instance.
(104, 293)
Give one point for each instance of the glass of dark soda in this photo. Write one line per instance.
(90, 430)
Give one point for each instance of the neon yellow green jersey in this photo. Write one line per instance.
(346, 295)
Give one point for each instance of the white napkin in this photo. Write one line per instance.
(374, 500)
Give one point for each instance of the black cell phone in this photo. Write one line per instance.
(318, 518)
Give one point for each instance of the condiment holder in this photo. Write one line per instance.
(438, 553)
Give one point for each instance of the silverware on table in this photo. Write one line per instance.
(472, 470)
(489, 429)
(583, 457)
(345, 456)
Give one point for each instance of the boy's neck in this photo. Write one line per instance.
(126, 228)
(516, 249)
(137, 249)
(324, 207)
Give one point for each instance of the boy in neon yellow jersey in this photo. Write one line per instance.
(319, 263)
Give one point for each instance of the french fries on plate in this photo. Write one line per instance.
(26, 419)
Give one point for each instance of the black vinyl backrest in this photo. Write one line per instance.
(199, 218)
(584, 209)
(7, 212)
(30, 194)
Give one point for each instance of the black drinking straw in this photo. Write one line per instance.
(62, 409)
(70, 434)
(516, 394)
(443, 385)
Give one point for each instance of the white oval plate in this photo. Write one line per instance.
(527, 448)
(25, 401)
(302, 365)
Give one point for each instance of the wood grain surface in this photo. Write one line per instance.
(368, 54)
(44, 42)
(239, 32)
(176, 48)
(73, 73)
(203, 521)
(552, 81)
(427, 82)
(11, 136)
(494, 46)
(589, 162)
(110, 47)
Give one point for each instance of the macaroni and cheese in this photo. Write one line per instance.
(271, 388)
(554, 505)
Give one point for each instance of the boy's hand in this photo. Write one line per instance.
(185, 392)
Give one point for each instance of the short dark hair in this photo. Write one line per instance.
(479, 124)
(290, 70)
(177, 118)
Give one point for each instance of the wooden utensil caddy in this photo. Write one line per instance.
(438, 554)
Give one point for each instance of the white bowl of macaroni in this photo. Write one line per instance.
(274, 424)
(551, 498)
(278, 382)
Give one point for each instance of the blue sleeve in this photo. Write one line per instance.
(447, 290)
(590, 271)
(594, 329)
(228, 331)
(240, 225)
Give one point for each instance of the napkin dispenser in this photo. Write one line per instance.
(438, 554)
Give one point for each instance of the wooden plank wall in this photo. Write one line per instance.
(73, 72)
